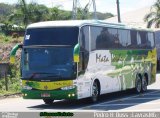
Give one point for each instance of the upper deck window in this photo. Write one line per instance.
(52, 36)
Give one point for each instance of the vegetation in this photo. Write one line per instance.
(13, 75)
(5, 11)
(13, 81)
(23, 14)
(153, 18)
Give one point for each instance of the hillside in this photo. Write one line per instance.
(37, 12)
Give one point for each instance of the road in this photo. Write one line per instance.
(119, 101)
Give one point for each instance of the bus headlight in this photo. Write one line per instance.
(67, 87)
(27, 87)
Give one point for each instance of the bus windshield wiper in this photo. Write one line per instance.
(51, 75)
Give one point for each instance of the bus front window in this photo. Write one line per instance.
(48, 53)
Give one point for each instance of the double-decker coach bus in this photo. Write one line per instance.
(80, 59)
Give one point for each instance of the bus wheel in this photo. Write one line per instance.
(144, 83)
(48, 101)
(138, 84)
(95, 91)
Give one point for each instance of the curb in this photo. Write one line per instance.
(14, 95)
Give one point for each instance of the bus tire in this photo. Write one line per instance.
(95, 91)
(144, 83)
(48, 101)
(138, 84)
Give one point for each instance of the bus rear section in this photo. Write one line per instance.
(116, 58)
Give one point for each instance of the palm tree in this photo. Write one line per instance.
(20, 14)
(25, 12)
(153, 18)
(29, 13)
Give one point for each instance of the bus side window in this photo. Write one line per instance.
(124, 38)
(98, 38)
(84, 47)
(144, 41)
(116, 42)
(133, 34)
(104, 39)
(139, 40)
(151, 41)
(114, 38)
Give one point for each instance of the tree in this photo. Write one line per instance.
(24, 14)
(83, 13)
(29, 13)
(37, 12)
(21, 13)
(5, 10)
(153, 18)
(54, 13)
(24, 9)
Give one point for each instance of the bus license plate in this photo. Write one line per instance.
(45, 95)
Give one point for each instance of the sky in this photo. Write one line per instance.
(101, 5)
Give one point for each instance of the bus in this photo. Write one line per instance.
(84, 59)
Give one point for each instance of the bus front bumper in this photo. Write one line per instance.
(50, 94)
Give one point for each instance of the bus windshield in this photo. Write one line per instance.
(48, 53)
(52, 36)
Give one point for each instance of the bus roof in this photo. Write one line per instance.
(72, 23)
(79, 23)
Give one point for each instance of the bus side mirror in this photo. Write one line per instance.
(20, 45)
(13, 52)
(76, 53)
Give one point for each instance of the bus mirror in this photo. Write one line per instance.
(76, 53)
(13, 52)
(20, 45)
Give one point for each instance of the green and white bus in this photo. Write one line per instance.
(85, 58)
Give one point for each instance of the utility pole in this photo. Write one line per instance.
(118, 12)
(94, 9)
(74, 10)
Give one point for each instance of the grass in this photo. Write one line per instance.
(3, 93)
(9, 39)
